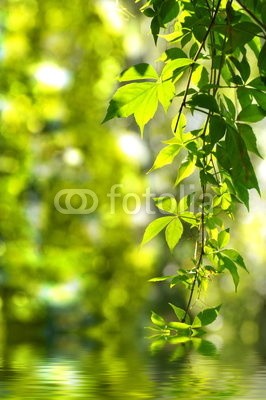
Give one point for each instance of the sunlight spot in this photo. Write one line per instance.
(132, 146)
(52, 75)
(73, 157)
(113, 13)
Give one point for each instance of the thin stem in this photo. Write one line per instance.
(202, 229)
(194, 61)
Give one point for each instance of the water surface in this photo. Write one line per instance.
(70, 369)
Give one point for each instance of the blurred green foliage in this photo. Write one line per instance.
(59, 60)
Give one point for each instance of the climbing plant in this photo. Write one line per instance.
(215, 65)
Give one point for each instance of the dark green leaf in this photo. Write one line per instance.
(260, 98)
(217, 128)
(235, 257)
(206, 317)
(169, 10)
(251, 113)
(244, 96)
(204, 101)
(249, 138)
(240, 34)
(262, 61)
(138, 72)
(230, 265)
(155, 28)
(149, 12)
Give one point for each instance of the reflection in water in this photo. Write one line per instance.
(70, 370)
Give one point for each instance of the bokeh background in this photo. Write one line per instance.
(85, 274)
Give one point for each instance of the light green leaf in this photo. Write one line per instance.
(187, 168)
(185, 202)
(223, 238)
(157, 320)
(166, 92)
(138, 72)
(206, 317)
(180, 313)
(173, 65)
(140, 99)
(161, 278)
(167, 204)
(173, 233)
(166, 156)
(251, 113)
(154, 228)
(178, 325)
(178, 128)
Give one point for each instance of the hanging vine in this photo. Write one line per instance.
(218, 48)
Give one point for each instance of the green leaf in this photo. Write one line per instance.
(223, 238)
(180, 313)
(172, 54)
(154, 228)
(204, 101)
(157, 320)
(169, 10)
(149, 12)
(166, 93)
(173, 233)
(185, 202)
(161, 278)
(251, 113)
(240, 34)
(238, 163)
(166, 156)
(244, 96)
(155, 28)
(138, 72)
(235, 257)
(217, 128)
(186, 169)
(140, 99)
(260, 98)
(206, 317)
(178, 325)
(230, 265)
(173, 65)
(167, 204)
(249, 138)
(262, 61)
